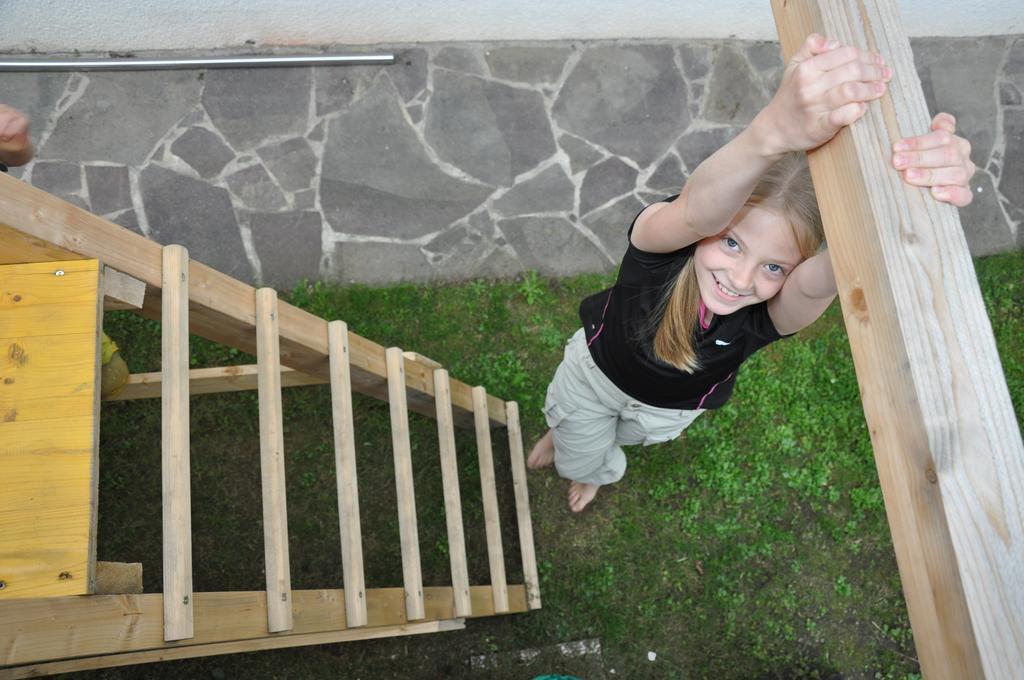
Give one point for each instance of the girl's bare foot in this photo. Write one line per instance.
(543, 453)
(580, 495)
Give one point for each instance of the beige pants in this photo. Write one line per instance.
(591, 419)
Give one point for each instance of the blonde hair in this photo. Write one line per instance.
(785, 189)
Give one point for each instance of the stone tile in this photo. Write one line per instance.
(121, 116)
(734, 93)
(603, 182)
(384, 183)
(697, 145)
(415, 112)
(581, 154)
(255, 189)
(335, 86)
(317, 133)
(291, 162)
(1011, 179)
(668, 177)
(288, 245)
(696, 60)
(250, 105)
(500, 263)
(203, 150)
(305, 200)
(461, 251)
(553, 246)
(508, 126)
(630, 100)
(1014, 68)
(532, 65)
(378, 263)
(129, 220)
(1009, 95)
(409, 72)
(549, 191)
(984, 225)
(183, 210)
(462, 59)
(58, 178)
(109, 188)
(958, 76)
(611, 224)
(765, 57)
(34, 94)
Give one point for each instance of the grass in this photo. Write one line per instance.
(754, 546)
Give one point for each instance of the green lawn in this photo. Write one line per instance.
(755, 546)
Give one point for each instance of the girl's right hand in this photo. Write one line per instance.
(825, 87)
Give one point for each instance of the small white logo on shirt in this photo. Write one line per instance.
(722, 343)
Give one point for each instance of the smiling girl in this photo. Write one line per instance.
(731, 264)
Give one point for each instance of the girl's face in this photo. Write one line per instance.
(747, 263)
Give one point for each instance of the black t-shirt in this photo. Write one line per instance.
(620, 335)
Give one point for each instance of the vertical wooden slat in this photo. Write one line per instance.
(177, 503)
(452, 499)
(411, 573)
(345, 464)
(275, 506)
(515, 447)
(492, 523)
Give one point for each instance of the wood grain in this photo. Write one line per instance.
(947, 445)
(489, 493)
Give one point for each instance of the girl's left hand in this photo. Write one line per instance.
(939, 160)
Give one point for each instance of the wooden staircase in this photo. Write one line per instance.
(56, 259)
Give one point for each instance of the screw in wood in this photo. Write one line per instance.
(59, 272)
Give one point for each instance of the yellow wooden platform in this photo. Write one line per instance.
(50, 322)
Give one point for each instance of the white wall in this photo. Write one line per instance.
(62, 25)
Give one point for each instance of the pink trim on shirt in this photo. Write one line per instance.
(703, 310)
(602, 319)
(701, 404)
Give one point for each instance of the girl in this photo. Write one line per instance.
(731, 264)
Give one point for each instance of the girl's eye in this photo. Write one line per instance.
(731, 243)
(774, 268)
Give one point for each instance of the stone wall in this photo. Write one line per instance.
(460, 160)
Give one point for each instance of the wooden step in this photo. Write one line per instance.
(275, 506)
(492, 521)
(345, 465)
(411, 571)
(177, 494)
(452, 498)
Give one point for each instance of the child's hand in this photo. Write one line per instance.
(825, 87)
(940, 160)
(15, 147)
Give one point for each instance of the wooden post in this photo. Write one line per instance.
(275, 504)
(947, 446)
(345, 464)
(412, 574)
(452, 497)
(177, 493)
(489, 493)
(526, 547)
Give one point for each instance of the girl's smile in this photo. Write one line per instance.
(747, 263)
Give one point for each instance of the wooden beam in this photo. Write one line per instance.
(407, 528)
(522, 494)
(345, 466)
(275, 503)
(489, 493)
(261, 644)
(222, 308)
(452, 497)
(122, 291)
(118, 578)
(210, 381)
(177, 493)
(947, 445)
(106, 624)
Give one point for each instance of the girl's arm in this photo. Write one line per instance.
(15, 146)
(939, 160)
(824, 88)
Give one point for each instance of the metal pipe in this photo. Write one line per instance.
(215, 62)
